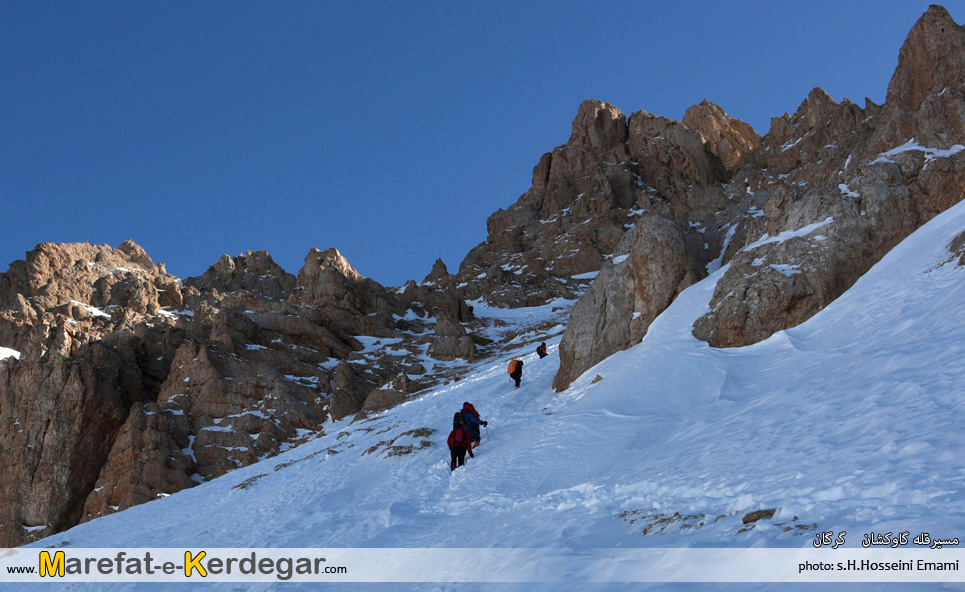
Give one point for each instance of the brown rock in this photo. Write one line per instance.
(327, 282)
(931, 60)
(254, 272)
(145, 462)
(601, 129)
(672, 158)
(349, 392)
(756, 515)
(451, 341)
(583, 195)
(439, 274)
(59, 415)
(730, 139)
(629, 293)
(55, 274)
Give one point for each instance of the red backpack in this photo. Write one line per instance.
(457, 437)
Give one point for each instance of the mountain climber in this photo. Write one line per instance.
(473, 422)
(460, 442)
(516, 371)
(541, 350)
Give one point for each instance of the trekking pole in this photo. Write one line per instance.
(487, 433)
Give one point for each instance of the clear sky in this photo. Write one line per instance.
(389, 130)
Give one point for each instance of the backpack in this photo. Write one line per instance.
(468, 408)
(513, 365)
(457, 437)
(456, 419)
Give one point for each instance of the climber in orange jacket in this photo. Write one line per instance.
(516, 371)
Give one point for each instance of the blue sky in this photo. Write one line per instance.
(388, 130)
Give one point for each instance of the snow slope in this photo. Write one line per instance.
(849, 422)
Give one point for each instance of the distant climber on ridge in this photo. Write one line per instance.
(541, 350)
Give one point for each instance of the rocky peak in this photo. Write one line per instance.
(931, 60)
(820, 128)
(54, 274)
(321, 277)
(331, 260)
(439, 273)
(671, 157)
(255, 272)
(328, 282)
(831, 189)
(136, 254)
(601, 129)
(588, 192)
(730, 139)
(583, 194)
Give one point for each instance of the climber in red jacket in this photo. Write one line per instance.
(460, 442)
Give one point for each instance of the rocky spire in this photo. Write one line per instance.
(730, 139)
(329, 283)
(931, 60)
(600, 128)
(439, 273)
(255, 272)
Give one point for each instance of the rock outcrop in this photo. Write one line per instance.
(798, 216)
(867, 177)
(587, 193)
(651, 268)
(583, 195)
(329, 283)
(730, 139)
(931, 62)
(94, 275)
(132, 384)
(254, 272)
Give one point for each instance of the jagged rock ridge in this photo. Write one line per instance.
(802, 214)
(132, 383)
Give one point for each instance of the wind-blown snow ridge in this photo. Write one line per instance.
(930, 153)
(849, 422)
(788, 234)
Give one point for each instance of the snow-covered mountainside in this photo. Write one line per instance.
(850, 421)
(120, 382)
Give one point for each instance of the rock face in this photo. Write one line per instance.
(855, 173)
(798, 216)
(133, 384)
(254, 272)
(652, 267)
(328, 282)
(583, 194)
(587, 193)
(92, 274)
(730, 139)
(931, 60)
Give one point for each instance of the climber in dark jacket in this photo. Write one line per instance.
(541, 350)
(516, 371)
(460, 442)
(473, 422)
